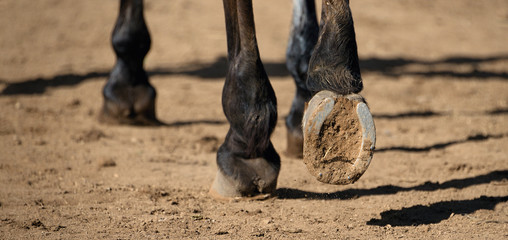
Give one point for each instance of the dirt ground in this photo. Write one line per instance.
(436, 79)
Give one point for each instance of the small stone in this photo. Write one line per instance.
(267, 221)
(17, 140)
(107, 163)
(74, 103)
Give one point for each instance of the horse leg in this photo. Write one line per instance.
(339, 132)
(128, 96)
(248, 165)
(303, 38)
(334, 63)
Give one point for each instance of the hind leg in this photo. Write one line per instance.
(303, 38)
(128, 96)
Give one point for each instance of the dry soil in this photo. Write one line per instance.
(436, 80)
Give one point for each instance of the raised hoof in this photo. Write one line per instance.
(294, 145)
(339, 137)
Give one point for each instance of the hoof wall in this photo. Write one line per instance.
(117, 114)
(137, 121)
(339, 137)
(226, 189)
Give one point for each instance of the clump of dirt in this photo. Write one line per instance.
(74, 103)
(6, 127)
(209, 144)
(104, 163)
(91, 135)
(330, 155)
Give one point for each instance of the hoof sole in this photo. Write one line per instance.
(339, 137)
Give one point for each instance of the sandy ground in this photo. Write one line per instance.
(436, 79)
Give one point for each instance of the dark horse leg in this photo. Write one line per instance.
(248, 165)
(128, 96)
(303, 38)
(334, 62)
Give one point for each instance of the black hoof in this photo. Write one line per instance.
(225, 188)
(240, 178)
(129, 105)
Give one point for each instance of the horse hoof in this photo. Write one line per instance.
(118, 114)
(339, 137)
(128, 104)
(245, 179)
(107, 117)
(225, 189)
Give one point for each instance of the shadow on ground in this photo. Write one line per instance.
(436, 212)
(418, 214)
(288, 193)
(429, 114)
(473, 138)
(216, 70)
